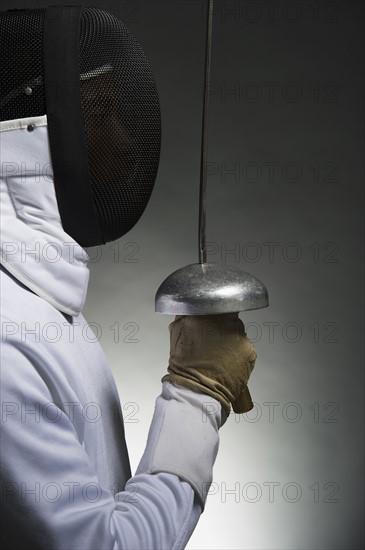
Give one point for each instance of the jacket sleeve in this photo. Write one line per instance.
(51, 495)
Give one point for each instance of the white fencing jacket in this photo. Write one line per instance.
(65, 473)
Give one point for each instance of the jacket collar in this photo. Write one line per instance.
(34, 247)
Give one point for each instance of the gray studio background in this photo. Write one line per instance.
(285, 203)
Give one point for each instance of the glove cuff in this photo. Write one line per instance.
(200, 388)
(183, 438)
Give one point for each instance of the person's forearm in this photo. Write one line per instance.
(156, 511)
(162, 503)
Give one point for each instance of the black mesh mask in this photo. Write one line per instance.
(84, 69)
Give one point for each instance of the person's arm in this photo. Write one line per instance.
(51, 493)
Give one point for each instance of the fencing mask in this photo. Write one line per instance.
(84, 69)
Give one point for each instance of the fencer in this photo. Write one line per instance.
(78, 164)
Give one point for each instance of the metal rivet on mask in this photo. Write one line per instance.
(28, 91)
(31, 127)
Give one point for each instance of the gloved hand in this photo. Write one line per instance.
(212, 354)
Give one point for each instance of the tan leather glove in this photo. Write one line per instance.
(211, 354)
